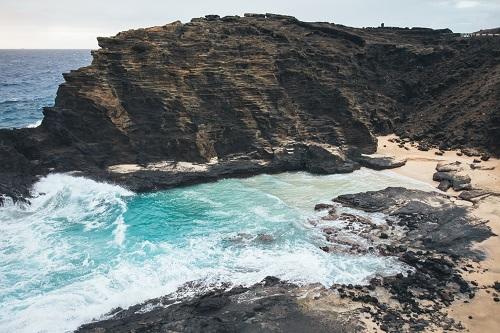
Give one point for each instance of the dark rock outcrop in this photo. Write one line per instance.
(244, 90)
(426, 231)
(380, 162)
(432, 221)
(270, 306)
(458, 180)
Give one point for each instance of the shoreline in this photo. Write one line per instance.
(421, 166)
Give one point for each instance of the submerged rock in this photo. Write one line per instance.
(265, 238)
(323, 206)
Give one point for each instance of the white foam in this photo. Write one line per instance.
(35, 124)
(71, 214)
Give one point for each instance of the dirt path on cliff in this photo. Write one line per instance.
(479, 314)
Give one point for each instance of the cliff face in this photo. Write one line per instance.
(212, 88)
(266, 89)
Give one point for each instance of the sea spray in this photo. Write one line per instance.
(82, 247)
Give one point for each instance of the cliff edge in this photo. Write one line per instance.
(181, 103)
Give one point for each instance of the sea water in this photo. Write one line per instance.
(29, 81)
(83, 248)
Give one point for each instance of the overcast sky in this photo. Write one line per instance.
(76, 24)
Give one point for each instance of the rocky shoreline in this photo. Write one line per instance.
(424, 230)
(236, 96)
(259, 93)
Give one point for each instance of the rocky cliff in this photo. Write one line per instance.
(236, 95)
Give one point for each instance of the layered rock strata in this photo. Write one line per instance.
(262, 92)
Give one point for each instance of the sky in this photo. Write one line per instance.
(76, 24)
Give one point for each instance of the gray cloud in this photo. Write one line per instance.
(75, 24)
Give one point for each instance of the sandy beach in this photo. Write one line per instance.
(479, 314)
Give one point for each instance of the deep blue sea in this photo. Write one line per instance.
(82, 248)
(29, 81)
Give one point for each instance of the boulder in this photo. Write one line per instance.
(447, 167)
(485, 157)
(459, 181)
(380, 162)
(444, 185)
(481, 167)
(423, 146)
(462, 187)
(323, 206)
(324, 159)
(473, 194)
(265, 238)
(471, 152)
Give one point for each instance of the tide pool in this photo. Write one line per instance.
(83, 248)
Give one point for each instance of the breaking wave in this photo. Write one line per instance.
(82, 247)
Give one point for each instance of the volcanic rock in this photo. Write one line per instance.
(260, 93)
(380, 162)
(444, 185)
(459, 181)
(472, 194)
(323, 206)
(447, 167)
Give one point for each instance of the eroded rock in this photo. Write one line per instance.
(459, 180)
(379, 162)
(239, 90)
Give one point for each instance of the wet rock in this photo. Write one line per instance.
(325, 248)
(329, 231)
(271, 304)
(433, 221)
(265, 238)
(355, 218)
(323, 206)
(439, 152)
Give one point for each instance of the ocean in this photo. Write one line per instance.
(29, 81)
(82, 248)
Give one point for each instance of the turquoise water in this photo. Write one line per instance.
(83, 248)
